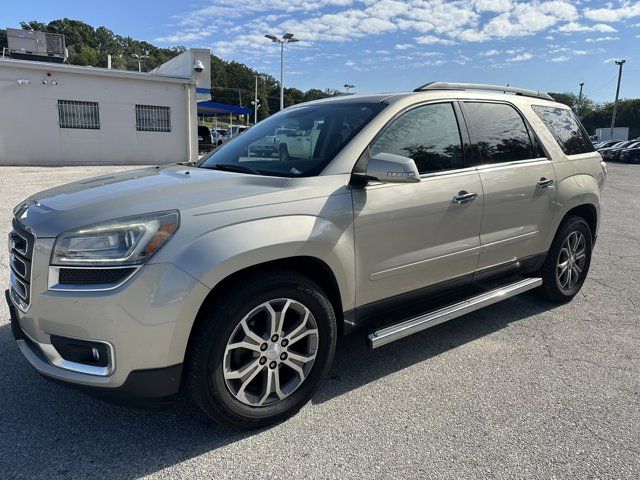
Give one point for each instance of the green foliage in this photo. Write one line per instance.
(627, 115)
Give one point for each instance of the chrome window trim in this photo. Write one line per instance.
(508, 164)
(424, 176)
(54, 275)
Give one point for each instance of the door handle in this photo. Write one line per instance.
(464, 197)
(544, 183)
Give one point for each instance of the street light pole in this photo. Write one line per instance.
(580, 100)
(615, 102)
(140, 58)
(286, 38)
(348, 86)
(256, 104)
(281, 75)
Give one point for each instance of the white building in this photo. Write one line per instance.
(58, 114)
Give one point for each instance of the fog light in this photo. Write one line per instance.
(85, 352)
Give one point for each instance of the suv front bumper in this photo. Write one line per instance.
(146, 322)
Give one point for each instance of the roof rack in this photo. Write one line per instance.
(479, 86)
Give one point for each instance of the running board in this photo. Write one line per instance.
(389, 334)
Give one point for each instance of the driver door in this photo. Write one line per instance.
(417, 235)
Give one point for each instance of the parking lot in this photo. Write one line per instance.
(521, 389)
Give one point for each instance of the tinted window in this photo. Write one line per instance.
(296, 142)
(499, 132)
(429, 135)
(565, 128)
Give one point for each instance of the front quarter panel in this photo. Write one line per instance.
(212, 246)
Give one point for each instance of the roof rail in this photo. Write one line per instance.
(479, 86)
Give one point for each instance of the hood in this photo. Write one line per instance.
(155, 189)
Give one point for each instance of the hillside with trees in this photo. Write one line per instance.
(232, 82)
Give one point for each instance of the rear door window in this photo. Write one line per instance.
(565, 128)
(499, 132)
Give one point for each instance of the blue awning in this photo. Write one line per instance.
(213, 109)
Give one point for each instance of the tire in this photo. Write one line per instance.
(283, 152)
(561, 287)
(210, 363)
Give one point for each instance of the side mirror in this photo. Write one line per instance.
(389, 168)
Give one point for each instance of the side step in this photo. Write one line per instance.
(389, 334)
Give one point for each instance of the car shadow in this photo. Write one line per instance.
(48, 430)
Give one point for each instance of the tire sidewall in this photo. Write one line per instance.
(311, 297)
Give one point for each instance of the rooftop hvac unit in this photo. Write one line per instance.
(39, 46)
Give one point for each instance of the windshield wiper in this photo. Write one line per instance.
(236, 168)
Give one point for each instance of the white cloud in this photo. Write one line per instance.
(239, 29)
(561, 58)
(626, 10)
(489, 53)
(431, 39)
(521, 58)
(601, 39)
(572, 27)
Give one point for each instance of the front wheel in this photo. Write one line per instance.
(567, 263)
(260, 354)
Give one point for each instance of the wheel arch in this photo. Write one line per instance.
(311, 267)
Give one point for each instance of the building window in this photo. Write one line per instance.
(150, 118)
(74, 114)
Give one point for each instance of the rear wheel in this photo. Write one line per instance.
(259, 355)
(567, 263)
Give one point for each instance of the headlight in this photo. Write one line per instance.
(125, 241)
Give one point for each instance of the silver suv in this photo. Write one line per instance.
(235, 276)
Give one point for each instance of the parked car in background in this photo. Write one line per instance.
(234, 277)
(608, 143)
(613, 153)
(631, 154)
(233, 132)
(217, 136)
(205, 141)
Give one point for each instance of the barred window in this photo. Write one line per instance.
(75, 114)
(150, 118)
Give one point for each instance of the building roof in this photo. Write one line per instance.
(213, 109)
(94, 71)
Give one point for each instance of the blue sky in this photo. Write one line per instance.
(389, 45)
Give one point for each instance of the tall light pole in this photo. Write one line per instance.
(140, 59)
(286, 38)
(348, 86)
(579, 100)
(256, 103)
(615, 102)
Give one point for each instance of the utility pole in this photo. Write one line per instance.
(579, 100)
(615, 102)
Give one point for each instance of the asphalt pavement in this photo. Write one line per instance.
(521, 389)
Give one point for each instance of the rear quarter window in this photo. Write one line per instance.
(565, 128)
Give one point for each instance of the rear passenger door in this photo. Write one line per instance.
(518, 183)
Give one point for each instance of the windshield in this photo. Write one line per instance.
(294, 143)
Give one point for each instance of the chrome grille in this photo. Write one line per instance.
(21, 244)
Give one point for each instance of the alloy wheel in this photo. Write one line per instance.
(571, 260)
(270, 352)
